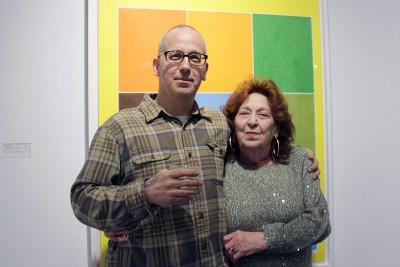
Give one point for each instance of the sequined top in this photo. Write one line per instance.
(136, 144)
(283, 202)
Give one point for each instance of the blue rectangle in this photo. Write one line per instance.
(213, 100)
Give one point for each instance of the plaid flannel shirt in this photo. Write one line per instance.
(136, 144)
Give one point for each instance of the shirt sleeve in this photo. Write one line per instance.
(98, 197)
(310, 227)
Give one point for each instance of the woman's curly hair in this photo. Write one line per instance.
(279, 110)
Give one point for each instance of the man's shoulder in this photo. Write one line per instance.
(122, 117)
(214, 116)
(211, 112)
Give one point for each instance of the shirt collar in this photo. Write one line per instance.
(151, 110)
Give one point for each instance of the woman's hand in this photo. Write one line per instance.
(117, 236)
(240, 244)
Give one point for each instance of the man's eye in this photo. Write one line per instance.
(175, 56)
(195, 58)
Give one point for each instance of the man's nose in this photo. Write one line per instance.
(185, 64)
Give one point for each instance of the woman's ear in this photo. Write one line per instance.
(276, 133)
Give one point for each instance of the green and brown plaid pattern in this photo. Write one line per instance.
(136, 144)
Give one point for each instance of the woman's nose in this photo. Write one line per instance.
(252, 120)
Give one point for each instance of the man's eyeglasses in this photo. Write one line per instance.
(177, 57)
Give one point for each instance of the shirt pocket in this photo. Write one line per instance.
(215, 167)
(218, 148)
(149, 163)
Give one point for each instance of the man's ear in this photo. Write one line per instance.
(156, 64)
(204, 76)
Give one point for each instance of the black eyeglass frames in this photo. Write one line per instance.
(177, 57)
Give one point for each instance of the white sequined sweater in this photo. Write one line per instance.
(283, 202)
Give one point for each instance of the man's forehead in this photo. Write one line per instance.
(185, 37)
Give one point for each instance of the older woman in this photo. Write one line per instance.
(275, 212)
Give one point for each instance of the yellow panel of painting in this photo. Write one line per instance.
(140, 31)
(229, 46)
(224, 20)
(281, 7)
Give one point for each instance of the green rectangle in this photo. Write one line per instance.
(283, 51)
(301, 107)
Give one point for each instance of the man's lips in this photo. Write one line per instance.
(184, 79)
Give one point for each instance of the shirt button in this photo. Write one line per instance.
(190, 154)
(203, 246)
(201, 215)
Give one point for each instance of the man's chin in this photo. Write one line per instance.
(186, 92)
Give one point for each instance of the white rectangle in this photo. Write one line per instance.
(17, 150)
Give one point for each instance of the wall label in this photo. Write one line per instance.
(16, 150)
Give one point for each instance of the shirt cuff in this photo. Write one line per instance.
(134, 197)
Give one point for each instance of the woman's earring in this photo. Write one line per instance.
(231, 143)
(275, 147)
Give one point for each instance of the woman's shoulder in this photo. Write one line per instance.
(297, 151)
(297, 155)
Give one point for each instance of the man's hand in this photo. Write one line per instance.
(313, 168)
(170, 187)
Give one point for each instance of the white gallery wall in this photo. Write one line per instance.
(43, 106)
(364, 90)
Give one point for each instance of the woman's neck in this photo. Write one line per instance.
(255, 159)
